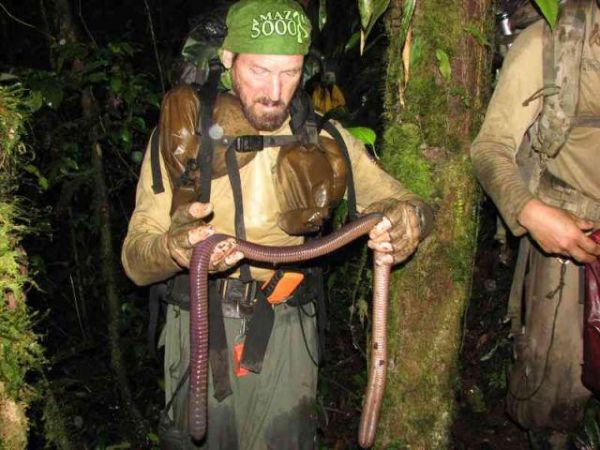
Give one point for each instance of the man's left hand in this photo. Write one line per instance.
(398, 234)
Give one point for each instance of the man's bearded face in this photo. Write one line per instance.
(265, 85)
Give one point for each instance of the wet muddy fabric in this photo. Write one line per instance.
(512, 112)
(563, 47)
(144, 254)
(545, 389)
(271, 410)
(310, 179)
(591, 325)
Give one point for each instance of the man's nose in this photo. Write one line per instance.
(274, 92)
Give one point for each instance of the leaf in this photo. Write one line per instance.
(126, 136)
(490, 353)
(36, 100)
(365, 8)
(352, 42)
(152, 437)
(42, 180)
(444, 64)
(138, 124)
(549, 9)
(136, 157)
(7, 76)
(408, 10)
(50, 88)
(120, 48)
(370, 12)
(116, 84)
(416, 54)
(94, 66)
(477, 35)
(153, 99)
(322, 14)
(67, 164)
(96, 77)
(366, 135)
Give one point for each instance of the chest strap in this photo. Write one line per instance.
(208, 95)
(333, 131)
(236, 187)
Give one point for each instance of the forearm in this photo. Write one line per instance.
(146, 258)
(500, 178)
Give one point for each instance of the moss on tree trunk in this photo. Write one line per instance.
(430, 121)
(19, 348)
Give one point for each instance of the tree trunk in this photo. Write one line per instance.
(432, 113)
(137, 426)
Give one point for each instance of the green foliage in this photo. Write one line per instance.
(20, 350)
(123, 93)
(477, 35)
(12, 114)
(403, 158)
(407, 14)
(370, 12)
(366, 135)
(588, 434)
(125, 108)
(322, 14)
(549, 9)
(444, 64)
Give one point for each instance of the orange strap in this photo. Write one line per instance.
(282, 288)
(238, 350)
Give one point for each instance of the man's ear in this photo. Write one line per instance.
(227, 58)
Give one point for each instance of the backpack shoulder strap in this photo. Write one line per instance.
(157, 182)
(208, 95)
(562, 54)
(333, 131)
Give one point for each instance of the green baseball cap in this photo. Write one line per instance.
(267, 27)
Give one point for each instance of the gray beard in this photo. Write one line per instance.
(267, 122)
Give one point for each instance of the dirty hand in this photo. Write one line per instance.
(397, 235)
(559, 232)
(188, 228)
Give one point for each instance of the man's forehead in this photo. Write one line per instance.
(273, 62)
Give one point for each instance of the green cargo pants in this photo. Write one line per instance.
(271, 410)
(545, 389)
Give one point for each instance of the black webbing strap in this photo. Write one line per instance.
(208, 95)
(332, 130)
(303, 120)
(318, 280)
(258, 333)
(157, 182)
(236, 187)
(218, 353)
(180, 384)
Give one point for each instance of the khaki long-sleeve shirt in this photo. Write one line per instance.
(145, 256)
(508, 118)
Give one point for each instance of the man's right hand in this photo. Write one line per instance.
(559, 232)
(188, 228)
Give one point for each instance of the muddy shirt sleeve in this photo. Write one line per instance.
(145, 256)
(507, 120)
(371, 182)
